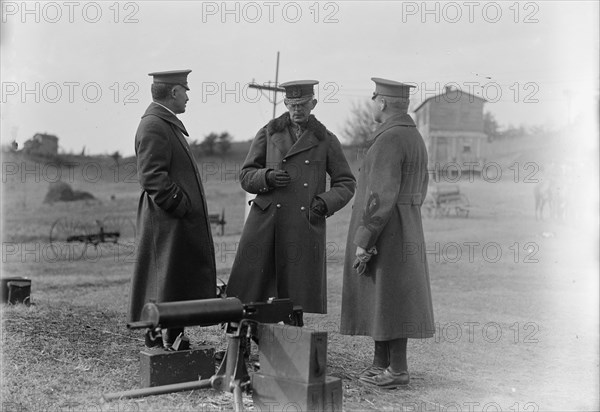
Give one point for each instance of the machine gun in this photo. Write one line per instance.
(242, 321)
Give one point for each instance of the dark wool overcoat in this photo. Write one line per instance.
(393, 299)
(175, 256)
(282, 248)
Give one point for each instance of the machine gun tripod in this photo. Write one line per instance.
(242, 321)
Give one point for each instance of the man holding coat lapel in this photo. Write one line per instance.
(175, 256)
(282, 248)
(386, 292)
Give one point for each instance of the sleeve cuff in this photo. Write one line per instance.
(262, 181)
(364, 238)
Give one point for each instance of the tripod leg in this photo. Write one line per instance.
(232, 370)
(238, 404)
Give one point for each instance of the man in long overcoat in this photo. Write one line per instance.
(175, 256)
(282, 248)
(386, 292)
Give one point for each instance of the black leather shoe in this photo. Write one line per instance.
(388, 379)
(371, 371)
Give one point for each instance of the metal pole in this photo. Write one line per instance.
(238, 404)
(158, 390)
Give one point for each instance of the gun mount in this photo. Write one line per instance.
(242, 323)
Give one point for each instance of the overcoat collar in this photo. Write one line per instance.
(159, 111)
(278, 132)
(402, 119)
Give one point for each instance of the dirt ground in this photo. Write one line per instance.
(515, 301)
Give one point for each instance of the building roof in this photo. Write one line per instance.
(450, 100)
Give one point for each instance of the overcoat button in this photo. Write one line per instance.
(307, 161)
(284, 160)
(303, 208)
(305, 184)
(175, 196)
(278, 205)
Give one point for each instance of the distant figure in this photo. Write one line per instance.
(282, 248)
(560, 199)
(552, 192)
(542, 193)
(386, 293)
(175, 256)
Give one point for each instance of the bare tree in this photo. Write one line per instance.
(208, 144)
(224, 142)
(360, 124)
(490, 126)
(116, 156)
(212, 144)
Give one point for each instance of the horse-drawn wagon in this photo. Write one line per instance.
(444, 199)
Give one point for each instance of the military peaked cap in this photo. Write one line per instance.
(299, 91)
(390, 88)
(172, 77)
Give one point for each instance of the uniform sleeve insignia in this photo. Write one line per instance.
(369, 219)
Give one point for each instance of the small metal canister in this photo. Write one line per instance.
(15, 290)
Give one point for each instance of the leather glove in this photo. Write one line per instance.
(360, 264)
(278, 178)
(319, 206)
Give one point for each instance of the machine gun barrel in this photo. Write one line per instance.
(204, 312)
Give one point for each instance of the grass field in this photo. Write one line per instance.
(515, 300)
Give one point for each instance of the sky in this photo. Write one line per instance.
(79, 70)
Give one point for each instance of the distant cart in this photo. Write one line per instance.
(70, 238)
(444, 199)
(219, 220)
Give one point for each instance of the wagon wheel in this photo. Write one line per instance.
(459, 211)
(119, 230)
(462, 211)
(445, 210)
(68, 239)
(124, 226)
(464, 199)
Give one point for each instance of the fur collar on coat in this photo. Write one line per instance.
(279, 124)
